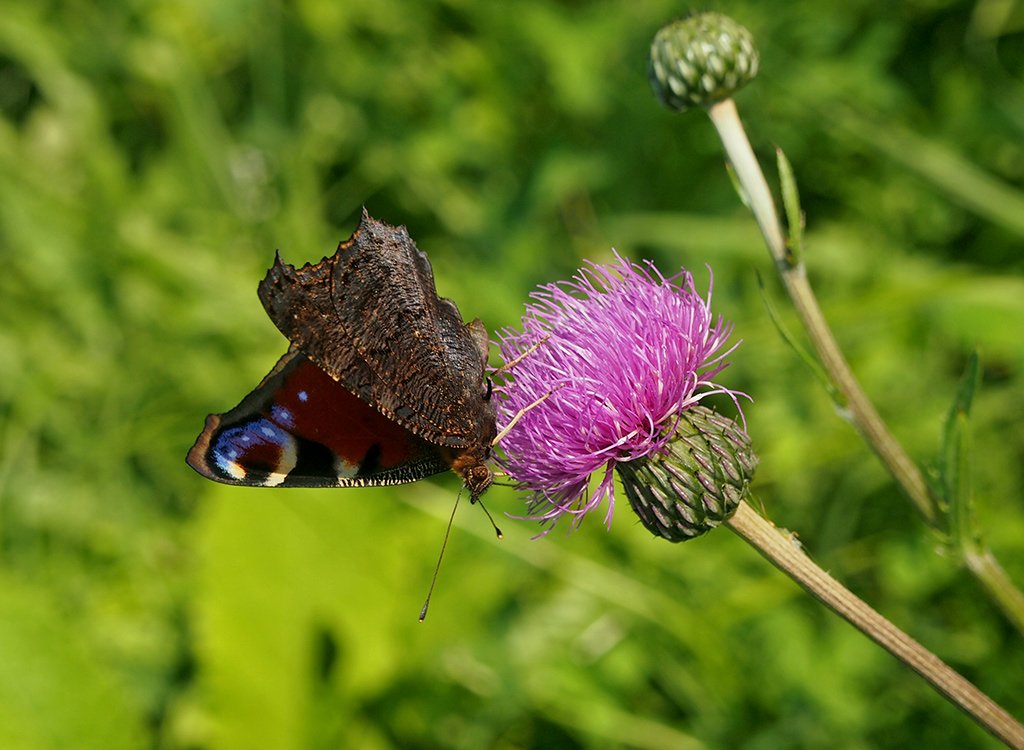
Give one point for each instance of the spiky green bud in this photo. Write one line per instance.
(698, 482)
(701, 60)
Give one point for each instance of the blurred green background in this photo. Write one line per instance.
(154, 155)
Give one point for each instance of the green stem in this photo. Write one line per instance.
(784, 553)
(978, 560)
(861, 411)
(984, 566)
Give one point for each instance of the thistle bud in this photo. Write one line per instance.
(697, 482)
(701, 60)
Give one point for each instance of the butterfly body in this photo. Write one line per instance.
(383, 384)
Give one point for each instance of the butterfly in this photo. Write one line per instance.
(383, 383)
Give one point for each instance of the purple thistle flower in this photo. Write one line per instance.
(625, 351)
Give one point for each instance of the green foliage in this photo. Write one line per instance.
(153, 156)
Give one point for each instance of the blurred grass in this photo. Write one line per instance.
(153, 156)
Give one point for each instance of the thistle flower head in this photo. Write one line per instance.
(620, 352)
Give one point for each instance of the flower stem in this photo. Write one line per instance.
(794, 276)
(859, 409)
(1001, 588)
(781, 550)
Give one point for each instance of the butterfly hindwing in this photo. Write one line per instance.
(300, 428)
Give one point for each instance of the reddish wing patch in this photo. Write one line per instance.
(300, 428)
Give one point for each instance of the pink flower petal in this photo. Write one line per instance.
(627, 351)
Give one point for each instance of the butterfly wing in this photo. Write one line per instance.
(370, 317)
(300, 428)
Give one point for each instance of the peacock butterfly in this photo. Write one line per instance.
(383, 383)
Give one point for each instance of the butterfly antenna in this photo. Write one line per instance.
(440, 557)
(490, 518)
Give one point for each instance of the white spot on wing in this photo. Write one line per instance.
(345, 469)
(232, 468)
(289, 457)
(274, 479)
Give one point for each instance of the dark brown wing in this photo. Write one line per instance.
(371, 318)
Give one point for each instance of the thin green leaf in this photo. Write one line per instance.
(806, 356)
(737, 185)
(954, 461)
(794, 214)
